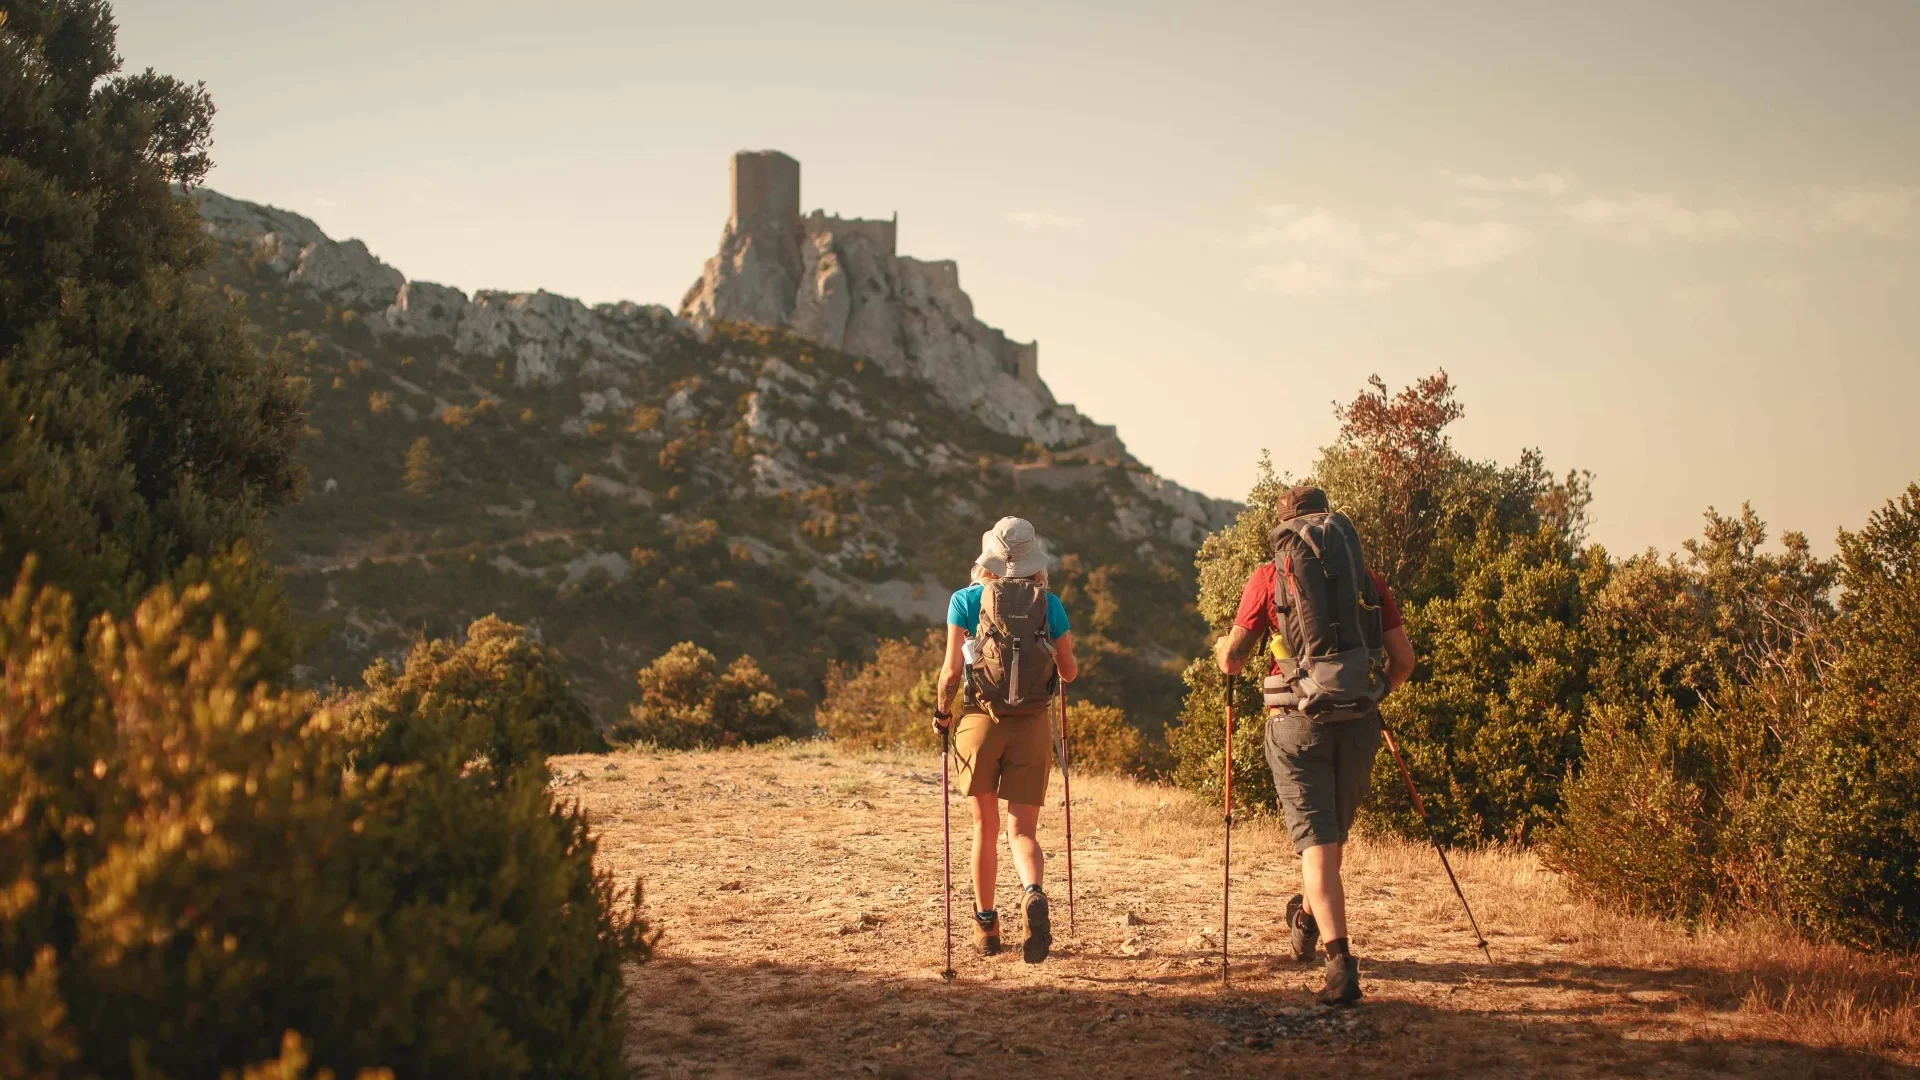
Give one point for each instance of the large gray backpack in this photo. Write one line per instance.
(1016, 674)
(1327, 615)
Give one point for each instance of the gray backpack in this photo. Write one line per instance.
(1015, 675)
(1327, 615)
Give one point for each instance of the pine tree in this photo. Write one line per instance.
(140, 431)
(423, 468)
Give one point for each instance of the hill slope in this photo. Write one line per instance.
(620, 479)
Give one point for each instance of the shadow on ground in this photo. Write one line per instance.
(702, 1019)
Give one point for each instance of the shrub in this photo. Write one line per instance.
(456, 691)
(1103, 742)
(197, 880)
(888, 701)
(685, 704)
(1851, 856)
(1704, 673)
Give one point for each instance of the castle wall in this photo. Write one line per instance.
(883, 235)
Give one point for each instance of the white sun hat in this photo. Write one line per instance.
(1011, 549)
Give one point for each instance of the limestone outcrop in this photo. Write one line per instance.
(841, 282)
(546, 336)
(834, 280)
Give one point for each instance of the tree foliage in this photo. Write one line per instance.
(887, 702)
(1481, 558)
(139, 430)
(687, 703)
(198, 864)
(1852, 845)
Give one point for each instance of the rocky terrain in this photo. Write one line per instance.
(791, 481)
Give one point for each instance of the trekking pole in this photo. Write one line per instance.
(1226, 871)
(946, 836)
(1066, 784)
(1407, 775)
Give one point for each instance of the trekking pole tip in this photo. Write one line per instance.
(949, 975)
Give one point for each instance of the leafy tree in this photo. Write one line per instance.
(685, 703)
(888, 701)
(1705, 674)
(138, 427)
(1852, 848)
(1484, 561)
(424, 468)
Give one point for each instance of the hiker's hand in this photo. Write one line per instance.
(942, 723)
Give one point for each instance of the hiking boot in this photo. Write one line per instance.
(1039, 927)
(1343, 981)
(1303, 934)
(986, 932)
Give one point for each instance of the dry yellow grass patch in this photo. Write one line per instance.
(799, 891)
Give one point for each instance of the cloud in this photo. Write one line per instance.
(1878, 210)
(1317, 252)
(1546, 183)
(1035, 220)
(1641, 218)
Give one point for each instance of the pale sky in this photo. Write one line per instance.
(1675, 244)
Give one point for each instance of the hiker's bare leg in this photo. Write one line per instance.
(1027, 857)
(986, 848)
(1326, 897)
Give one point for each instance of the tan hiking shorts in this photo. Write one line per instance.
(1010, 757)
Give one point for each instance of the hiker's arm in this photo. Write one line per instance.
(1232, 650)
(1399, 657)
(951, 671)
(1063, 657)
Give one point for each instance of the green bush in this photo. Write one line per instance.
(1851, 856)
(685, 703)
(497, 689)
(197, 865)
(1705, 672)
(1102, 741)
(887, 702)
(1490, 722)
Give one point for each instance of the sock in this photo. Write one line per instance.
(986, 917)
(1033, 888)
(1336, 947)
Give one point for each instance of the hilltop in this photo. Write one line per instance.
(620, 477)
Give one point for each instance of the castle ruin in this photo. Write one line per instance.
(842, 282)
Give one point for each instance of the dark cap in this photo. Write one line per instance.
(1305, 499)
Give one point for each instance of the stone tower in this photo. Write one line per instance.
(756, 277)
(766, 193)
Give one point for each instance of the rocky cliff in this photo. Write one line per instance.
(621, 477)
(841, 283)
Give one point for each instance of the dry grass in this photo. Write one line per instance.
(799, 893)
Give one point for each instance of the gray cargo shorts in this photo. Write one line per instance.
(1322, 773)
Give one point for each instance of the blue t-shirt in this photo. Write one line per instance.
(963, 611)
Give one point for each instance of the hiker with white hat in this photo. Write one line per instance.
(1010, 645)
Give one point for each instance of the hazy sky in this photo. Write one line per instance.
(1675, 244)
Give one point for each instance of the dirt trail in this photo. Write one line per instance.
(799, 894)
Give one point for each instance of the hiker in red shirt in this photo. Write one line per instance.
(1336, 646)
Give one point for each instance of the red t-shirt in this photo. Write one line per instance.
(1257, 609)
